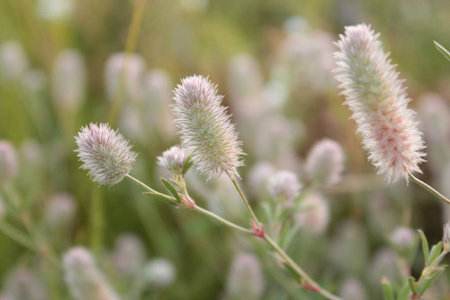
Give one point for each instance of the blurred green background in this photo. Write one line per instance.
(186, 37)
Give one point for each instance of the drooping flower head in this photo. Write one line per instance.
(104, 153)
(379, 103)
(205, 128)
(173, 159)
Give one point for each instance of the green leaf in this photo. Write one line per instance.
(412, 285)
(435, 251)
(429, 281)
(425, 247)
(187, 165)
(442, 50)
(160, 197)
(388, 292)
(171, 189)
(403, 294)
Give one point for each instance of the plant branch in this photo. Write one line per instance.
(241, 194)
(428, 188)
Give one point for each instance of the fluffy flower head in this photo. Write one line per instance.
(173, 159)
(379, 103)
(325, 162)
(104, 153)
(205, 128)
(284, 184)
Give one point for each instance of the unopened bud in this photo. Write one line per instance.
(173, 160)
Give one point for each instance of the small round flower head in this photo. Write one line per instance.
(8, 162)
(22, 284)
(68, 81)
(173, 159)
(379, 103)
(123, 76)
(446, 237)
(314, 215)
(159, 272)
(13, 60)
(84, 279)
(245, 278)
(129, 255)
(205, 128)
(284, 184)
(403, 237)
(352, 289)
(60, 211)
(325, 162)
(104, 153)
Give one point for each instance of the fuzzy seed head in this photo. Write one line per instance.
(8, 162)
(284, 184)
(325, 162)
(205, 128)
(173, 159)
(104, 153)
(84, 279)
(378, 101)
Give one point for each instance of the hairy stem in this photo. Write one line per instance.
(241, 194)
(428, 188)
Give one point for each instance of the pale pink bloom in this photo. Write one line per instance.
(173, 159)
(314, 215)
(245, 278)
(284, 184)
(205, 128)
(84, 279)
(379, 103)
(104, 153)
(325, 162)
(8, 162)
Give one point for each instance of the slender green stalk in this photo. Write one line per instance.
(241, 194)
(220, 219)
(130, 46)
(312, 284)
(299, 270)
(143, 185)
(428, 188)
(16, 235)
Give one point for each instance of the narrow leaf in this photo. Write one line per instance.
(435, 251)
(161, 198)
(187, 165)
(429, 281)
(425, 247)
(442, 50)
(171, 189)
(403, 294)
(412, 285)
(388, 292)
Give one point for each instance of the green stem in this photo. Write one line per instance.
(130, 46)
(144, 185)
(241, 194)
(271, 242)
(222, 220)
(428, 188)
(299, 270)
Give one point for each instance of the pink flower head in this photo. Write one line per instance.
(379, 102)
(205, 128)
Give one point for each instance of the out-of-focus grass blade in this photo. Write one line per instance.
(442, 50)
